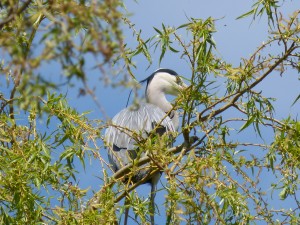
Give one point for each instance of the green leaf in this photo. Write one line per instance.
(163, 51)
(164, 28)
(183, 25)
(247, 124)
(246, 14)
(157, 30)
(173, 49)
(298, 97)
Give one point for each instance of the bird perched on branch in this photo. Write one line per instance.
(135, 123)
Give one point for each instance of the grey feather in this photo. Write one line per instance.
(129, 126)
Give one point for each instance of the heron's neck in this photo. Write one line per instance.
(158, 98)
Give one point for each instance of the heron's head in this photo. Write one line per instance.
(165, 80)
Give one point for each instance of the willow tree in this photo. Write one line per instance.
(212, 176)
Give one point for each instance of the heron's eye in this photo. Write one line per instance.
(178, 80)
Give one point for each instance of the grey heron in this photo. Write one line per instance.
(142, 119)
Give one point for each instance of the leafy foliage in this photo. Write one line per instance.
(212, 176)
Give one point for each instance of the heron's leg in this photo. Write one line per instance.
(152, 203)
(154, 182)
(126, 210)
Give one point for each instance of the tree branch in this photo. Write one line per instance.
(13, 16)
(240, 93)
(126, 170)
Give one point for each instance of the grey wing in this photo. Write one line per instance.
(121, 135)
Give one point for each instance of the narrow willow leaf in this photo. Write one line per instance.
(247, 124)
(157, 30)
(246, 14)
(298, 97)
(173, 49)
(163, 51)
(164, 28)
(183, 25)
